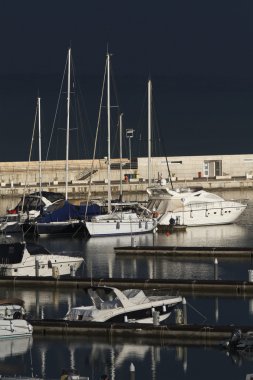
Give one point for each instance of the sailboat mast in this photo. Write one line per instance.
(120, 154)
(109, 133)
(149, 129)
(67, 131)
(39, 127)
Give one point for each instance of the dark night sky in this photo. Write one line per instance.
(199, 55)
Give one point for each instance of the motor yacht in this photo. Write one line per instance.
(110, 304)
(191, 206)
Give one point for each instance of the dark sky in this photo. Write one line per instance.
(199, 55)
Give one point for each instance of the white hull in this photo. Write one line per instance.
(15, 328)
(43, 266)
(192, 206)
(203, 215)
(112, 227)
(128, 306)
(162, 318)
(16, 260)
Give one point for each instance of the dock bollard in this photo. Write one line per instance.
(155, 315)
(72, 271)
(184, 311)
(37, 268)
(179, 317)
(133, 242)
(216, 268)
(132, 371)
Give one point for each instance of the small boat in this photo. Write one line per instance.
(109, 304)
(191, 206)
(12, 319)
(29, 259)
(239, 347)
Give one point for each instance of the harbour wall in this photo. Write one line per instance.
(214, 173)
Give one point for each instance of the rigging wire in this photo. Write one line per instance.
(29, 159)
(57, 107)
(96, 138)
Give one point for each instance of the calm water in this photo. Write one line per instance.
(152, 360)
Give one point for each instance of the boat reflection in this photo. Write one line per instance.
(96, 356)
(222, 235)
(100, 259)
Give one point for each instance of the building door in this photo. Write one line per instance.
(212, 168)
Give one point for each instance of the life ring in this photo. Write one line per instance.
(155, 214)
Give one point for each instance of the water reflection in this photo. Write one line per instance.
(92, 356)
(95, 356)
(14, 347)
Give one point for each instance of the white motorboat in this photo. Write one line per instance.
(12, 322)
(27, 259)
(191, 206)
(109, 304)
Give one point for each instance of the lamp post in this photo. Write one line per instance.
(129, 136)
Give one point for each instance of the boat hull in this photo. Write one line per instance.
(142, 315)
(42, 266)
(15, 328)
(54, 228)
(214, 214)
(109, 228)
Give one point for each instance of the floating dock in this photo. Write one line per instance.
(190, 252)
(171, 334)
(171, 228)
(175, 286)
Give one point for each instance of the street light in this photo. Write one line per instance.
(129, 136)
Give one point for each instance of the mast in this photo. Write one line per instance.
(149, 129)
(39, 127)
(67, 131)
(109, 133)
(120, 154)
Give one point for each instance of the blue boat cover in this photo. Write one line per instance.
(69, 211)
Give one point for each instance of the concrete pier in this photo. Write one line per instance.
(85, 177)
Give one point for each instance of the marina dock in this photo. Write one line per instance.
(183, 287)
(205, 335)
(187, 252)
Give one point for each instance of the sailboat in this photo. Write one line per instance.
(30, 206)
(118, 220)
(63, 218)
